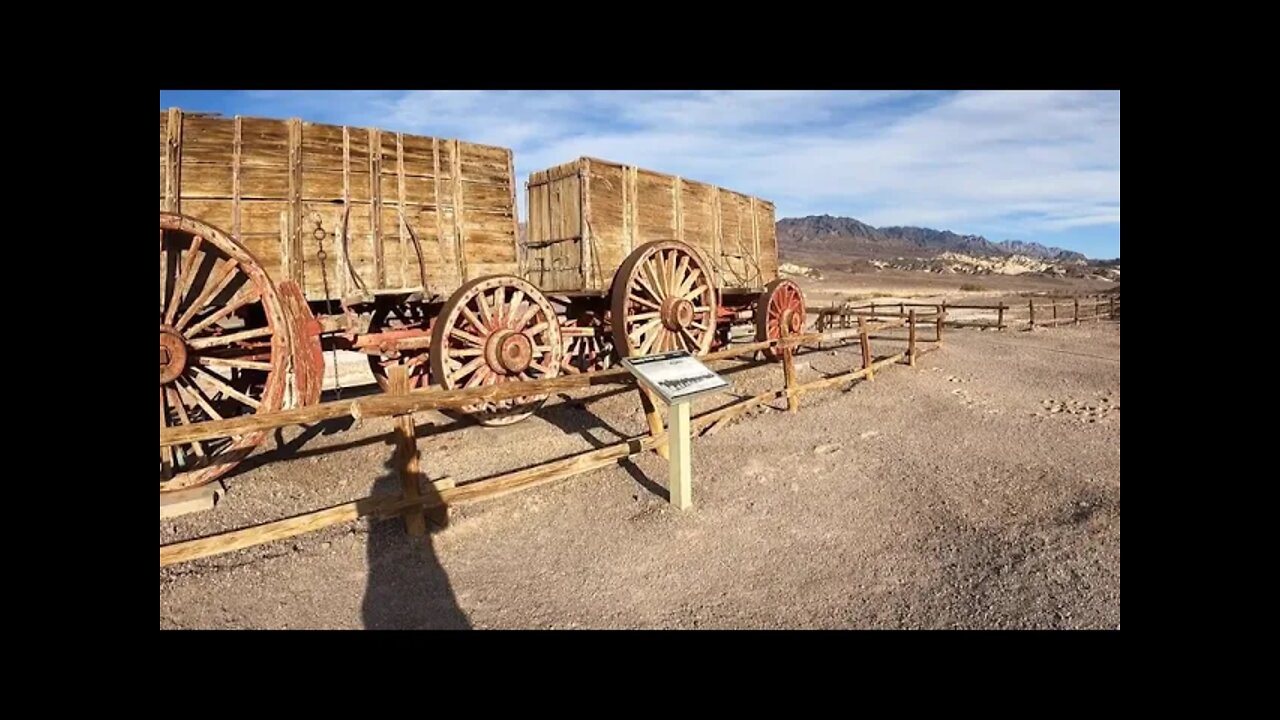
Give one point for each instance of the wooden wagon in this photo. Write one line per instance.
(282, 239)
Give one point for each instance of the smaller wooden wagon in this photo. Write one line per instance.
(664, 262)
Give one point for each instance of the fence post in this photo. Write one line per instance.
(866, 348)
(789, 373)
(911, 342)
(407, 458)
(873, 308)
(902, 309)
(1111, 310)
(1031, 306)
(940, 317)
(1055, 311)
(1000, 317)
(1076, 302)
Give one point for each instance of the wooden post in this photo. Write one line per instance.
(1097, 311)
(1076, 303)
(911, 342)
(681, 483)
(873, 308)
(1111, 310)
(789, 375)
(902, 309)
(1000, 317)
(941, 316)
(407, 455)
(866, 348)
(1055, 309)
(654, 419)
(1031, 307)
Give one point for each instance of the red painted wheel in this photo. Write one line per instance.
(224, 346)
(416, 360)
(493, 330)
(781, 306)
(663, 299)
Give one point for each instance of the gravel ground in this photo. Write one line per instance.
(981, 489)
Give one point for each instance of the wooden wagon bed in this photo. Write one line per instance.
(587, 216)
(392, 212)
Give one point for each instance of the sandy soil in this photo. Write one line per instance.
(981, 489)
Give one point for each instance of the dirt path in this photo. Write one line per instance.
(980, 490)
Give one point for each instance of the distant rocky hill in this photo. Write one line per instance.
(855, 238)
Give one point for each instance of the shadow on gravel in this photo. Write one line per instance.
(408, 589)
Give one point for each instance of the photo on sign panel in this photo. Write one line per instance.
(675, 376)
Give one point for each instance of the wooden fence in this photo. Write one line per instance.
(418, 496)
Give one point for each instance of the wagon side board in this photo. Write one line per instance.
(393, 212)
(586, 216)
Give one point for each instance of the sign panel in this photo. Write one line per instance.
(675, 377)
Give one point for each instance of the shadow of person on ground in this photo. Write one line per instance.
(407, 587)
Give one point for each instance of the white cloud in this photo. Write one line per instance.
(1014, 163)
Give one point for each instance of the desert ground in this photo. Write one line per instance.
(980, 489)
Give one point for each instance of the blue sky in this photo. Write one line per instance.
(1021, 165)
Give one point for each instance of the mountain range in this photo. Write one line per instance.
(854, 238)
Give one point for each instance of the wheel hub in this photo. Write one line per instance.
(509, 352)
(677, 313)
(173, 354)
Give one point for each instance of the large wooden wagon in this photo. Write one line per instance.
(282, 239)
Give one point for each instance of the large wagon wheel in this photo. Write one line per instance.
(223, 346)
(416, 360)
(663, 299)
(493, 330)
(781, 307)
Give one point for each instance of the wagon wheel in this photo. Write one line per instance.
(493, 330)
(781, 306)
(223, 346)
(583, 351)
(663, 300)
(416, 360)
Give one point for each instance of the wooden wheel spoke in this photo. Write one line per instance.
(693, 294)
(516, 299)
(232, 362)
(527, 317)
(485, 313)
(224, 312)
(466, 336)
(216, 284)
(688, 282)
(643, 330)
(475, 321)
(477, 377)
(183, 418)
(182, 283)
(694, 344)
(466, 369)
(168, 458)
(642, 301)
(211, 341)
(642, 282)
(643, 316)
(464, 352)
(226, 388)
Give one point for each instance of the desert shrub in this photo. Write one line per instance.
(972, 287)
